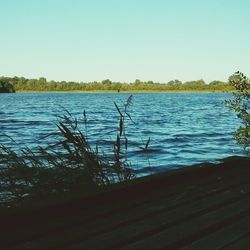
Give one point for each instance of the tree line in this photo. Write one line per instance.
(41, 84)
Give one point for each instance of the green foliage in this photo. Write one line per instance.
(175, 83)
(241, 105)
(41, 84)
(6, 87)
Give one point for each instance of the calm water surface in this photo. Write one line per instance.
(185, 128)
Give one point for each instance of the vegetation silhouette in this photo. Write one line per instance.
(68, 164)
(6, 87)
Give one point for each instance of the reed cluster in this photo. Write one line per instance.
(66, 164)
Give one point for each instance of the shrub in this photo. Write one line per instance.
(241, 105)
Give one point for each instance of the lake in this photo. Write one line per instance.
(185, 128)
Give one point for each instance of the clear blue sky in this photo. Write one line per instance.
(124, 40)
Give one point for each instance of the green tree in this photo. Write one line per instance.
(175, 83)
(137, 82)
(6, 87)
(217, 83)
(240, 103)
(107, 82)
(42, 80)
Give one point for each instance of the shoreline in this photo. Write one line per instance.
(143, 207)
(140, 180)
(126, 92)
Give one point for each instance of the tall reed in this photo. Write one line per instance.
(67, 164)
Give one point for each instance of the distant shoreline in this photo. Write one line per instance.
(126, 92)
(42, 84)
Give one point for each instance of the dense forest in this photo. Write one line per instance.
(41, 84)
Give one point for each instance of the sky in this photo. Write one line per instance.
(124, 40)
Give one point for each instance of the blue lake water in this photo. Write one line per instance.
(185, 128)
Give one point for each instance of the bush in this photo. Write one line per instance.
(241, 105)
(6, 87)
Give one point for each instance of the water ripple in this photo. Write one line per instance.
(184, 128)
